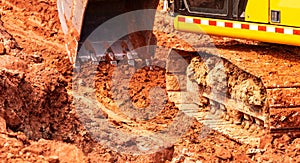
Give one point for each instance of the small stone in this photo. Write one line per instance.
(31, 150)
(242, 157)
(53, 159)
(2, 49)
(282, 142)
(252, 151)
(223, 153)
(9, 155)
(12, 119)
(2, 125)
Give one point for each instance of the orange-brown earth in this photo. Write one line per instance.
(39, 123)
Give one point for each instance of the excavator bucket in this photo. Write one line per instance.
(79, 18)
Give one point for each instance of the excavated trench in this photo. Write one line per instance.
(28, 103)
(34, 97)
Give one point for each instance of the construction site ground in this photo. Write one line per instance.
(38, 120)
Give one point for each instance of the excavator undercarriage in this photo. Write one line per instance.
(244, 97)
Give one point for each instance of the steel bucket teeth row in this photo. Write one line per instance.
(106, 51)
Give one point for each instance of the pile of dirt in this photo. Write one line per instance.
(34, 95)
(35, 26)
(114, 84)
(15, 147)
(35, 105)
(283, 149)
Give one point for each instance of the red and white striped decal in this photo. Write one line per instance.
(237, 25)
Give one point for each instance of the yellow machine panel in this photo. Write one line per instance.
(257, 11)
(236, 29)
(289, 12)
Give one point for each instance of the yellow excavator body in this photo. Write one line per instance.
(273, 21)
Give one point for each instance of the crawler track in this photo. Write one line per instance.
(261, 96)
(277, 68)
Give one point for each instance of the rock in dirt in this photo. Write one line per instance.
(53, 159)
(31, 98)
(241, 157)
(294, 149)
(265, 140)
(8, 43)
(2, 125)
(223, 153)
(2, 49)
(282, 142)
(253, 151)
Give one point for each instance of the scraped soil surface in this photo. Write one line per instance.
(38, 121)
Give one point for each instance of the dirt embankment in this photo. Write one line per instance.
(38, 120)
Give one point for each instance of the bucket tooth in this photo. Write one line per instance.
(130, 48)
(231, 120)
(131, 62)
(222, 111)
(247, 125)
(93, 57)
(212, 110)
(252, 128)
(259, 122)
(257, 130)
(219, 113)
(227, 117)
(77, 67)
(237, 121)
(129, 55)
(237, 118)
(148, 62)
(222, 107)
(114, 63)
(118, 50)
(243, 124)
(247, 117)
(214, 106)
(110, 56)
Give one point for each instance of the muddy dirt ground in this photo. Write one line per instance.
(38, 122)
